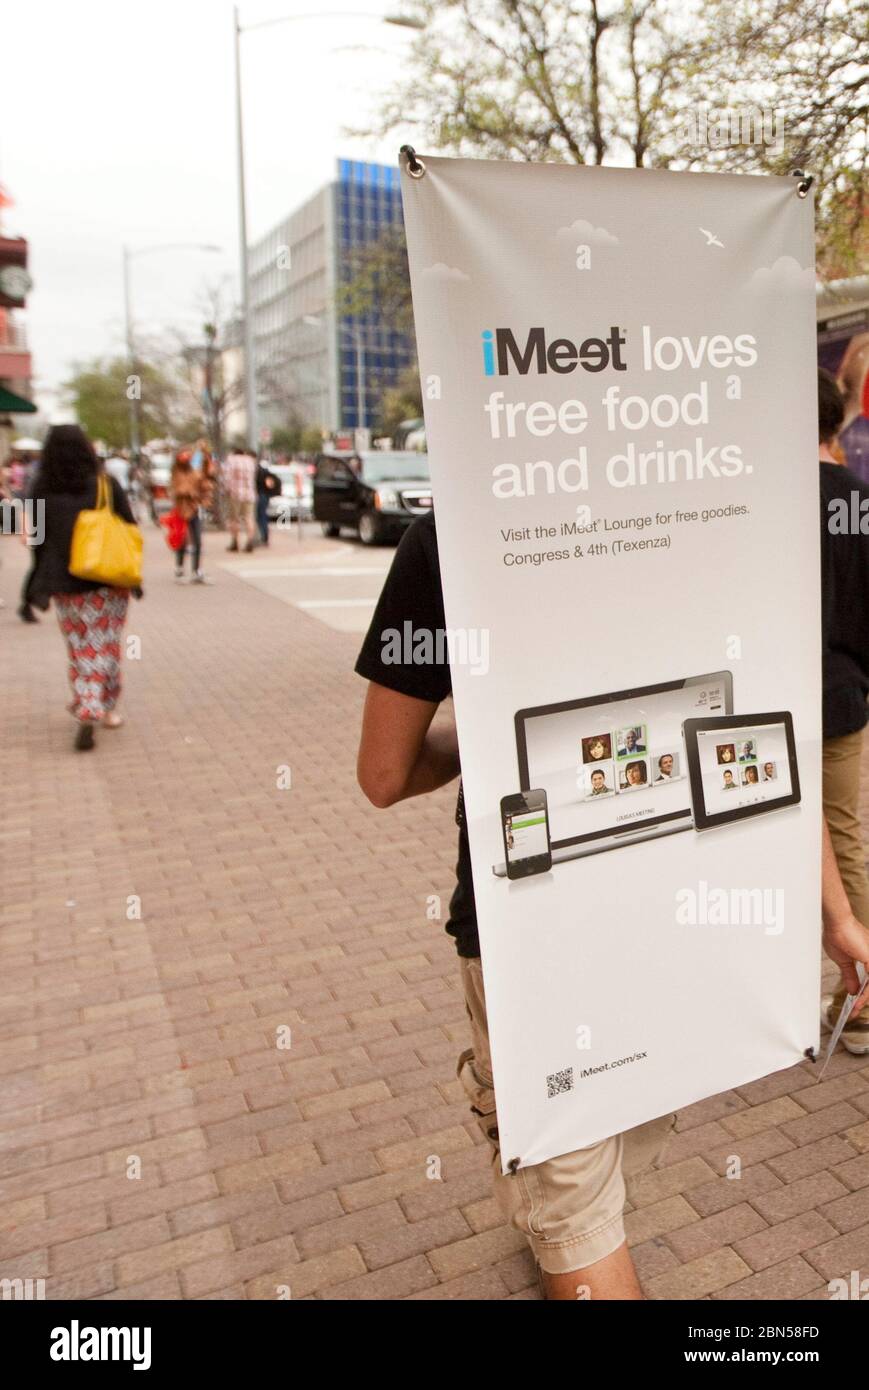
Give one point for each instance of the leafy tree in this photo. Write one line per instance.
(402, 401)
(98, 392)
(805, 62)
(376, 288)
(584, 81)
(377, 282)
(594, 82)
(311, 441)
(286, 438)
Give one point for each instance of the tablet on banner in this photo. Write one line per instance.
(755, 758)
(620, 414)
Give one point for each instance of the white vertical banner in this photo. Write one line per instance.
(619, 378)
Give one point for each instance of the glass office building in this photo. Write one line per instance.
(312, 363)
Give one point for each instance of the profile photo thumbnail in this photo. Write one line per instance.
(634, 775)
(597, 748)
(599, 781)
(631, 740)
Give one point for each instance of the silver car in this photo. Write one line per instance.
(295, 499)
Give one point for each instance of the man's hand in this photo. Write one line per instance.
(846, 942)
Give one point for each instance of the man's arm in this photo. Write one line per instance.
(400, 753)
(845, 940)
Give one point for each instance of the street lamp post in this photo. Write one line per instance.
(250, 394)
(250, 387)
(134, 385)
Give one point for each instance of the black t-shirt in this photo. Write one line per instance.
(412, 601)
(844, 600)
(266, 481)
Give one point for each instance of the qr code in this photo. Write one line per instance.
(558, 1082)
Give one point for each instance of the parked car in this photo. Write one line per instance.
(375, 493)
(295, 498)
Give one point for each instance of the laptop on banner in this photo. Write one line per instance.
(614, 766)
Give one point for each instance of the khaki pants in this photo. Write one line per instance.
(240, 515)
(841, 769)
(569, 1207)
(841, 808)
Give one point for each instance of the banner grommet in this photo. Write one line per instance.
(415, 166)
(806, 181)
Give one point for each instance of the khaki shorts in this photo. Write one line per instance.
(570, 1207)
(240, 513)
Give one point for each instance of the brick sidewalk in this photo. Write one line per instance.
(149, 1042)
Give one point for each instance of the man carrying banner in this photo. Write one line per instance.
(569, 1207)
(845, 599)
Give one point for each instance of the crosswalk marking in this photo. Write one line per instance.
(335, 602)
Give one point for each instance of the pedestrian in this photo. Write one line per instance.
(191, 493)
(845, 639)
(240, 484)
(267, 484)
(91, 615)
(569, 1207)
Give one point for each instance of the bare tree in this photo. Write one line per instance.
(211, 393)
(604, 81)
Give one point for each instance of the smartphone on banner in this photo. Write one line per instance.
(525, 827)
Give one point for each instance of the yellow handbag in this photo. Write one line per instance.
(105, 548)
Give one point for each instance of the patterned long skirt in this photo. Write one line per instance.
(92, 624)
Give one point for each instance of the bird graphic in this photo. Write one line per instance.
(711, 239)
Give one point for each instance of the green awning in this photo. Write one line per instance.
(10, 404)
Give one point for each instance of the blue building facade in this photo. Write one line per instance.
(367, 204)
(313, 363)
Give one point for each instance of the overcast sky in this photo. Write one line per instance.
(117, 124)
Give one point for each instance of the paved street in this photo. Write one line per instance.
(336, 582)
(173, 918)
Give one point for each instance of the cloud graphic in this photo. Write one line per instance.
(444, 273)
(583, 231)
(784, 274)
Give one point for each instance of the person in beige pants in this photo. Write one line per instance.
(570, 1208)
(845, 616)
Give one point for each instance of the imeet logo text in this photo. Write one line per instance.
(503, 354)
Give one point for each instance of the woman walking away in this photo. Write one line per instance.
(192, 491)
(91, 615)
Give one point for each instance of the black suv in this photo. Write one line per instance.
(378, 494)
